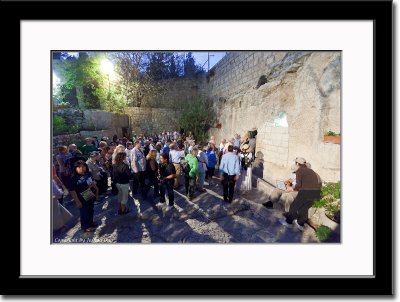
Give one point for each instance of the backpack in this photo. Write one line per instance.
(185, 166)
(246, 161)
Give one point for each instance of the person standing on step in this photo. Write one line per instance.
(175, 157)
(167, 174)
(211, 162)
(203, 162)
(121, 177)
(191, 175)
(84, 192)
(138, 166)
(230, 172)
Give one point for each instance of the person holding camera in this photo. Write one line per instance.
(167, 174)
(84, 192)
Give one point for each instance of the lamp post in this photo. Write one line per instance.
(209, 61)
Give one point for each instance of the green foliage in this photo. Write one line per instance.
(331, 188)
(330, 199)
(198, 116)
(331, 133)
(95, 89)
(60, 127)
(323, 233)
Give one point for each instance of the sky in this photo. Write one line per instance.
(200, 58)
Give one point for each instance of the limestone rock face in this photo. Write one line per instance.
(299, 103)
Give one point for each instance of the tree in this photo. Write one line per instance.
(157, 68)
(172, 67)
(134, 81)
(84, 74)
(189, 68)
(198, 116)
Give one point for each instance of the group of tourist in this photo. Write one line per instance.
(163, 163)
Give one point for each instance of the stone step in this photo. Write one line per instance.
(263, 185)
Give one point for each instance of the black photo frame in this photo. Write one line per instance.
(381, 283)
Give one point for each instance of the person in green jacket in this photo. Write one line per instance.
(190, 178)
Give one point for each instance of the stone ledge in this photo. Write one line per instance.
(264, 186)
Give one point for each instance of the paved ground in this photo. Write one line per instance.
(205, 219)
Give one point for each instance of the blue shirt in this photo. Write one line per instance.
(230, 164)
(212, 159)
(166, 150)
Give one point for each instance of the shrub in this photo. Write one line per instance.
(330, 200)
(323, 233)
(60, 127)
(331, 133)
(198, 116)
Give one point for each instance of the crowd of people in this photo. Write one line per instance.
(160, 163)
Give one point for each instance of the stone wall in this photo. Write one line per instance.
(160, 108)
(174, 93)
(304, 87)
(95, 120)
(152, 120)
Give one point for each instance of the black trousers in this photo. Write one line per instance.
(167, 187)
(102, 183)
(86, 213)
(229, 186)
(210, 172)
(299, 208)
(152, 181)
(138, 180)
(190, 185)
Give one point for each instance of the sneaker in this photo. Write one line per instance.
(300, 227)
(268, 204)
(159, 204)
(283, 222)
(168, 208)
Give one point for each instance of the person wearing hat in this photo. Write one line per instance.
(98, 173)
(190, 178)
(230, 172)
(308, 186)
(288, 195)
